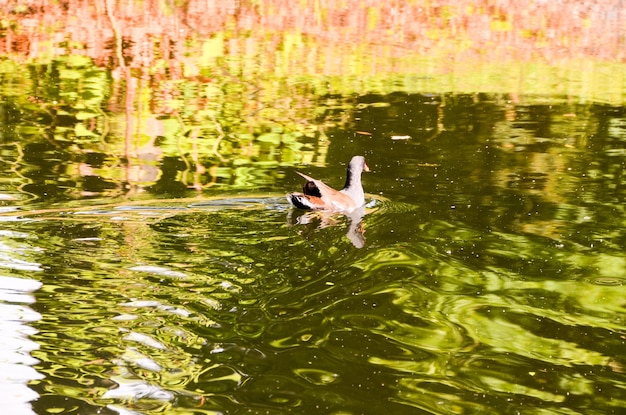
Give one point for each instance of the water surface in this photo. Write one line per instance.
(150, 263)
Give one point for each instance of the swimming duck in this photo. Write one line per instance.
(318, 196)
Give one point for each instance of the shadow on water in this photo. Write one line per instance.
(235, 303)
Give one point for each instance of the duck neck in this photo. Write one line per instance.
(352, 180)
(353, 187)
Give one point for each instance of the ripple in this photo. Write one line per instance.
(224, 301)
(16, 344)
(136, 389)
(144, 339)
(133, 356)
(316, 376)
(608, 281)
(161, 271)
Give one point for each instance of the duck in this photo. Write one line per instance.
(316, 195)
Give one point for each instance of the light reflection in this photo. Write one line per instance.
(136, 389)
(15, 345)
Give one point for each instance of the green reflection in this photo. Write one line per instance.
(143, 185)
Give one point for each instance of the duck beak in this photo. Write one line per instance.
(365, 167)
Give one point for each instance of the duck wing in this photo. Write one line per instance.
(325, 197)
(318, 188)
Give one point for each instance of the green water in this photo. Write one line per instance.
(150, 263)
(487, 277)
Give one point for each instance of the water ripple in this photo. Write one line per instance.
(226, 304)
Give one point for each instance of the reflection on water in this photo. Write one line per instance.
(486, 277)
(221, 305)
(150, 263)
(486, 274)
(16, 346)
(320, 220)
(489, 275)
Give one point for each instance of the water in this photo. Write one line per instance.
(486, 276)
(150, 262)
(471, 299)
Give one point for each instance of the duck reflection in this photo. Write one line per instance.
(317, 219)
